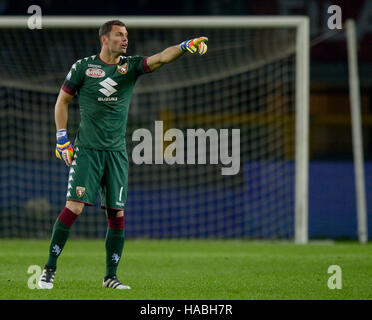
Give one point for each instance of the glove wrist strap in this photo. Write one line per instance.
(62, 133)
(183, 45)
(61, 136)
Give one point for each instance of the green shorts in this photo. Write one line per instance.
(97, 171)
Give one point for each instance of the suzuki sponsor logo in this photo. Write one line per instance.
(108, 87)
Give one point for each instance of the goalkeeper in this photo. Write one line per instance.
(98, 160)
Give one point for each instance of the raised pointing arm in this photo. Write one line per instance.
(174, 52)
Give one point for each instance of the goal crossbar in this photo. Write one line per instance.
(160, 21)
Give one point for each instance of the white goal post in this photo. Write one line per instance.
(357, 137)
(301, 26)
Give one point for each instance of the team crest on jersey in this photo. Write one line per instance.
(95, 73)
(80, 191)
(123, 69)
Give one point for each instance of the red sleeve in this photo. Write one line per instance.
(69, 87)
(145, 66)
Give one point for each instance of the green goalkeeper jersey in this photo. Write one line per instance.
(104, 91)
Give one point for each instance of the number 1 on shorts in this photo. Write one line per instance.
(121, 193)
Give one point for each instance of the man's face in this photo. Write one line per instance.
(117, 40)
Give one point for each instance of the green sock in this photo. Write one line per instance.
(114, 244)
(59, 237)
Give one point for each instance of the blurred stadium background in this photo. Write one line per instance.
(250, 85)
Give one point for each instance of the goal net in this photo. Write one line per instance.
(247, 97)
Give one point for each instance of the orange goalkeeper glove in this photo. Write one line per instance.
(195, 45)
(64, 148)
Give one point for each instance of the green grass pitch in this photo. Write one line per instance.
(191, 270)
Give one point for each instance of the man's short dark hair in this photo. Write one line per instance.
(105, 29)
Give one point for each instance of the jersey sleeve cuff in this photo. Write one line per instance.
(145, 67)
(69, 87)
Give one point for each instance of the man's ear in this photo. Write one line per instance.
(104, 40)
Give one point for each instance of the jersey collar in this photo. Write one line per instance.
(121, 61)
